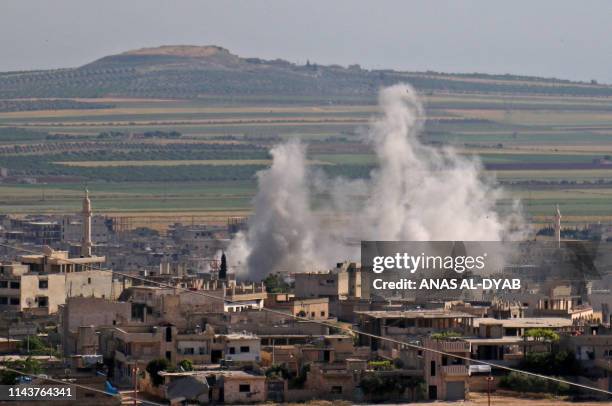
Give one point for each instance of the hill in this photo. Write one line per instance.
(204, 71)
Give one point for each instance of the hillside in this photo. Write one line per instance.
(204, 71)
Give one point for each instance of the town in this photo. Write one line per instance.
(161, 317)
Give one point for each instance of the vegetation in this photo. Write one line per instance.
(551, 363)
(525, 383)
(185, 365)
(275, 284)
(383, 365)
(445, 335)
(542, 335)
(381, 387)
(27, 366)
(160, 75)
(278, 371)
(297, 382)
(34, 345)
(154, 367)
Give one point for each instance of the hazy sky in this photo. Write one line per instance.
(566, 39)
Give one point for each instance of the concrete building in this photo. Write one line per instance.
(446, 377)
(410, 324)
(41, 283)
(79, 315)
(241, 347)
(314, 308)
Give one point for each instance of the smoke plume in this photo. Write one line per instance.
(416, 193)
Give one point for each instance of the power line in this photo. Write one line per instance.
(342, 327)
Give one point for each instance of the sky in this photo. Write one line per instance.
(550, 38)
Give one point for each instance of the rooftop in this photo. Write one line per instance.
(527, 322)
(417, 314)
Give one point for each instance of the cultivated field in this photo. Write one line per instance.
(543, 150)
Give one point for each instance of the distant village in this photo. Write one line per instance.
(162, 316)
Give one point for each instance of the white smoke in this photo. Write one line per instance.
(417, 193)
(283, 222)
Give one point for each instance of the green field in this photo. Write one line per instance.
(211, 167)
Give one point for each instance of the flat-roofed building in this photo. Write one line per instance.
(410, 324)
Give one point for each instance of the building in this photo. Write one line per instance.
(446, 377)
(79, 315)
(410, 324)
(241, 348)
(41, 283)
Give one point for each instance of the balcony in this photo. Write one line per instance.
(448, 345)
(454, 370)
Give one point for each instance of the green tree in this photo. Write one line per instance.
(542, 335)
(275, 284)
(156, 366)
(186, 365)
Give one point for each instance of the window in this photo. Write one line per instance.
(323, 314)
(336, 389)
(188, 351)
(89, 281)
(432, 368)
(202, 350)
(232, 350)
(43, 284)
(312, 314)
(245, 348)
(43, 301)
(15, 285)
(14, 300)
(244, 387)
(3, 300)
(168, 355)
(3, 284)
(168, 334)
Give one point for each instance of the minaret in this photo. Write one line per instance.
(557, 227)
(86, 240)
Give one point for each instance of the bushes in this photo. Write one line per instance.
(525, 383)
(34, 345)
(548, 363)
(445, 335)
(278, 371)
(156, 366)
(377, 385)
(27, 366)
(383, 365)
(185, 365)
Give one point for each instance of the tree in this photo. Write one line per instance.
(223, 267)
(542, 335)
(275, 284)
(278, 371)
(186, 365)
(154, 367)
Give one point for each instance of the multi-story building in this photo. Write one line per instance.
(410, 325)
(446, 377)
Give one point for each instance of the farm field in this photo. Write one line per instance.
(200, 156)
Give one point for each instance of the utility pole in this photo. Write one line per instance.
(135, 385)
(489, 380)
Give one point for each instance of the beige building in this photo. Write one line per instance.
(242, 387)
(82, 315)
(446, 377)
(42, 290)
(410, 324)
(314, 308)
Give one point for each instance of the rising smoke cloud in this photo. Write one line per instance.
(417, 193)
